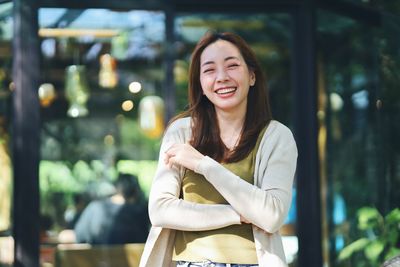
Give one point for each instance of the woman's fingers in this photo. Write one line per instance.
(182, 154)
(170, 155)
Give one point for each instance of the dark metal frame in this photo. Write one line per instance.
(305, 92)
(25, 135)
(26, 121)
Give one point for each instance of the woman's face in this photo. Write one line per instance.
(224, 76)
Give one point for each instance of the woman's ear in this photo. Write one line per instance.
(252, 78)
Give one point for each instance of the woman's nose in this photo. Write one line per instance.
(222, 76)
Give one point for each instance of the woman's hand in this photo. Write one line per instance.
(184, 155)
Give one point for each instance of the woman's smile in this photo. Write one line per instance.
(225, 91)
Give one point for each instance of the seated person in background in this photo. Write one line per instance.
(119, 219)
(72, 215)
(45, 224)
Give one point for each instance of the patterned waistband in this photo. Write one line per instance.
(212, 264)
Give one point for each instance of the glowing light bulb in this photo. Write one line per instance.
(135, 87)
(127, 105)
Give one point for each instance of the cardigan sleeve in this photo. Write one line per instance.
(266, 204)
(167, 210)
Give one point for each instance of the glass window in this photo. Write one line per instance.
(358, 114)
(388, 6)
(102, 116)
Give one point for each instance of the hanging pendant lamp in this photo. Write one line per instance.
(108, 77)
(76, 90)
(151, 116)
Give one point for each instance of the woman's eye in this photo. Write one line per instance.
(233, 65)
(207, 70)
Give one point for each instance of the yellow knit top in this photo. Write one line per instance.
(231, 244)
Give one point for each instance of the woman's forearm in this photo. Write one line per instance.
(264, 207)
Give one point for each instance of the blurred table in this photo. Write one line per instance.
(84, 255)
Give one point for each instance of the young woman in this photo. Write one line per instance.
(223, 185)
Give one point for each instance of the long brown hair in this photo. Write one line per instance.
(205, 130)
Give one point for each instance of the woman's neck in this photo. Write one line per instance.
(230, 127)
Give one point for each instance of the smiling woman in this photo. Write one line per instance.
(223, 185)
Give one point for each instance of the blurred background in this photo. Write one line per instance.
(107, 77)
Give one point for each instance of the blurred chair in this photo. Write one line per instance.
(85, 255)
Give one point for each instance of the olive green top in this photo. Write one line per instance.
(231, 244)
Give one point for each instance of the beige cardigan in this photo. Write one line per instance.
(265, 205)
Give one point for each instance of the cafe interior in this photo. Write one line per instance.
(88, 87)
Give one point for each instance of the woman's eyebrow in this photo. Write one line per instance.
(207, 63)
(231, 57)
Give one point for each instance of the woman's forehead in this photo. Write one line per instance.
(220, 50)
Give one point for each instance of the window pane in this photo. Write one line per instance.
(358, 125)
(102, 115)
(383, 5)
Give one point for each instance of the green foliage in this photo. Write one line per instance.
(144, 169)
(57, 176)
(134, 144)
(59, 181)
(356, 246)
(380, 237)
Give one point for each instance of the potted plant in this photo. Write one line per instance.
(380, 237)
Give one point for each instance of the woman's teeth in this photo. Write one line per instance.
(225, 91)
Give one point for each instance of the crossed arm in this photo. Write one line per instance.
(265, 206)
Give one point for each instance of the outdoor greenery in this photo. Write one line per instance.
(60, 181)
(379, 238)
(358, 66)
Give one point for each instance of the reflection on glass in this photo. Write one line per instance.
(108, 77)
(82, 158)
(6, 21)
(135, 87)
(76, 91)
(47, 94)
(151, 116)
(361, 148)
(127, 105)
